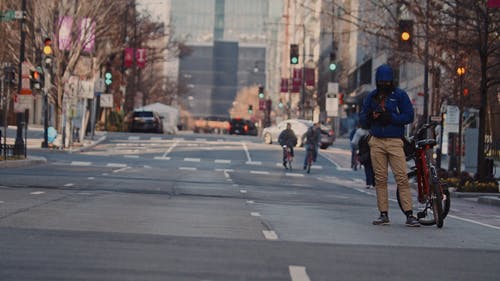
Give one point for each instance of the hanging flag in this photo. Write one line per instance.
(284, 85)
(493, 3)
(65, 25)
(297, 80)
(140, 56)
(128, 57)
(87, 34)
(309, 76)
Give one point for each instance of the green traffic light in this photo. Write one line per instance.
(295, 60)
(332, 66)
(261, 95)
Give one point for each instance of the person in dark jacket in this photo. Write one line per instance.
(313, 137)
(287, 137)
(386, 110)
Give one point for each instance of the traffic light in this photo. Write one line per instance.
(9, 73)
(108, 78)
(294, 53)
(332, 66)
(280, 104)
(250, 108)
(405, 35)
(36, 79)
(47, 53)
(261, 92)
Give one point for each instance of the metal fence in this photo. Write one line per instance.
(8, 151)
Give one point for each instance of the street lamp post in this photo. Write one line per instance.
(461, 73)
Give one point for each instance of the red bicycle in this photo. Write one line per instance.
(432, 193)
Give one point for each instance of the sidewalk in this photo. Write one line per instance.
(34, 141)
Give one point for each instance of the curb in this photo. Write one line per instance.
(489, 200)
(31, 160)
(85, 148)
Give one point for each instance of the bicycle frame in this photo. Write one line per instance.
(423, 172)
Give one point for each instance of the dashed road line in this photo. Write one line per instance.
(255, 214)
(270, 235)
(222, 161)
(294, 175)
(250, 202)
(187, 168)
(121, 169)
(80, 163)
(37, 192)
(298, 273)
(243, 191)
(91, 178)
(69, 184)
(116, 165)
(253, 162)
(187, 159)
(131, 156)
(162, 158)
(260, 172)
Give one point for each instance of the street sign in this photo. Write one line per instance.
(107, 100)
(22, 102)
(333, 88)
(99, 85)
(332, 107)
(25, 79)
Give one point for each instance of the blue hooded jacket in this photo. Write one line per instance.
(398, 104)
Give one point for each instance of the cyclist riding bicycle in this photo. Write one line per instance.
(313, 137)
(287, 137)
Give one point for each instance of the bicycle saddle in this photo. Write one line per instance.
(426, 142)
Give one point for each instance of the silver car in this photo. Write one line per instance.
(299, 127)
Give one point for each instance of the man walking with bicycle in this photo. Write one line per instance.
(386, 110)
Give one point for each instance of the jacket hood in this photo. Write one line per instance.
(384, 73)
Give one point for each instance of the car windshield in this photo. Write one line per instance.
(143, 114)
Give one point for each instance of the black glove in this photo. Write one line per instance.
(385, 118)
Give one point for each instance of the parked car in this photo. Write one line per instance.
(145, 121)
(300, 127)
(239, 126)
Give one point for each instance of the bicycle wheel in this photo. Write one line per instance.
(289, 159)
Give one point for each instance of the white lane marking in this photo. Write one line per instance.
(270, 235)
(243, 191)
(317, 167)
(170, 149)
(192, 159)
(80, 163)
(91, 178)
(344, 169)
(69, 184)
(224, 170)
(226, 174)
(298, 273)
(116, 165)
(134, 138)
(187, 168)
(161, 158)
(245, 148)
(131, 156)
(155, 138)
(250, 202)
(2, 202)
(475, 222)
(37, 192)
(105, 174)
(255, 214)
(222, 161)
(147, 167)
(121, 169)
(253, 162)
(294, 175)
(260, 172)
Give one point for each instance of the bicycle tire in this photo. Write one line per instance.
(309, 160)
(289, 160)
(437, 204)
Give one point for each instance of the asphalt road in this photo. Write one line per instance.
(201, 207)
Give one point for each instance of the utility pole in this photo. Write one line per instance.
(426, 66)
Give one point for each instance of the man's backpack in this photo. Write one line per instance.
(364, 149)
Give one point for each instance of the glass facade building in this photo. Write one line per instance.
(227, 42)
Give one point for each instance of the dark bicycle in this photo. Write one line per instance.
(431, 191)
(287, 157)
(310, 157)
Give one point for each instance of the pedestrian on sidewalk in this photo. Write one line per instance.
(386, 110)
(360, 143)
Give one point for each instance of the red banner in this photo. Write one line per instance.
(128, 57)
(297, 80)
(309, 76)
(493, 3)
(140, 56)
